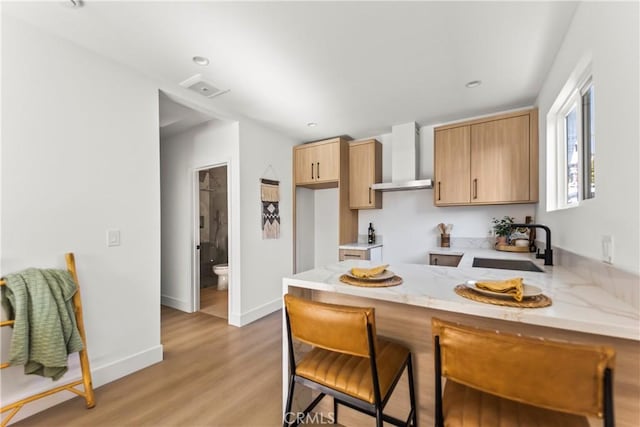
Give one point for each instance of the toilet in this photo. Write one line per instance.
(222, 271)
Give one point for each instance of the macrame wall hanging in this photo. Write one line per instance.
(270, 199)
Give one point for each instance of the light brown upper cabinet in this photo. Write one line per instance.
(488, 161)
(365, 169)
(318, 162)
(452, 165)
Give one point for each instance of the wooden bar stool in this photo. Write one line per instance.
(348, 361)
(496, 379)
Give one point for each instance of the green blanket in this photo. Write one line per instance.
(45, 331)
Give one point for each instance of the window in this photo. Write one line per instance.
(571, 165)
(589, 144)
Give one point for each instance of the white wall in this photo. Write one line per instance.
(264, 262)
(209, 144)
(408, 219)
(256, 266)
(305, 228)
(326, 234)
(607, 32)
(80, 155)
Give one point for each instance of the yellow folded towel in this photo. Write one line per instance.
(512, 287)
(365, 273)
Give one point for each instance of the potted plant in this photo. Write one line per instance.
(502, 229)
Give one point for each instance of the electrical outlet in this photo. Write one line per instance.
(607, 249)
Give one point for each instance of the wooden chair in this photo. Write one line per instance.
(497, 379)
(85, 381)
(348, 361)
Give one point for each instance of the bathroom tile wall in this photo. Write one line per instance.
(218, 220)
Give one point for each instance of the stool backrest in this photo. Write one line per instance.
(551, 374)
(330, 326)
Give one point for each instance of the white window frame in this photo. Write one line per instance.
(570, 97)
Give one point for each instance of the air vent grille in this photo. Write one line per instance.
(199, 85)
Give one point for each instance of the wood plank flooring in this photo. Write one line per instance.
(213, 375)
(214, 302)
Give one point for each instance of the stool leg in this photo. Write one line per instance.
(287, 410)
(378, 417)
(335, 411)
(412, 394)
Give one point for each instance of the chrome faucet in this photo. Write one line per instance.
(548, 252)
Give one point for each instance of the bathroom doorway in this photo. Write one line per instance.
(213, 220)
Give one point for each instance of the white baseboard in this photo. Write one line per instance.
(100, 375)
(176, 303)
(236, 319)
(123, 367)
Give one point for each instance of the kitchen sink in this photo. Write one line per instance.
(506, 264)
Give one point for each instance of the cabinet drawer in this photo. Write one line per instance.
(345, 254)
(445, 260)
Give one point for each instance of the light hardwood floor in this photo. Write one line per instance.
(212, 375)
(214, 302)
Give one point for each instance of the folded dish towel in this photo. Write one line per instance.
(365, 273)
(512, 287)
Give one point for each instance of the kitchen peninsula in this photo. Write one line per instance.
(580, 312)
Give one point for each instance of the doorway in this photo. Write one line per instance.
(213, 240)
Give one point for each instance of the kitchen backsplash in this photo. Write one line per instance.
(363, 238)
(468, 242)
(622, 284)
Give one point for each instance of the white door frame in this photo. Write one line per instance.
(195, 221)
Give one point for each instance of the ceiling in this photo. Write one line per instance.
(175, 117)
(354, 68)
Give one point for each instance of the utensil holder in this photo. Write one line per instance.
(445, 241)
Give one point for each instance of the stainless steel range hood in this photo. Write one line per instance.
(405, 147)
(416, 184)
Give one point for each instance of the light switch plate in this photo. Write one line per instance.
(607, 249)
(113, 237)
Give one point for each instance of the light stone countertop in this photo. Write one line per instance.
(360, 246)
(577, 304)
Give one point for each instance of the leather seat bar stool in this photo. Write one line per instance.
(347, 360)
(496, 379)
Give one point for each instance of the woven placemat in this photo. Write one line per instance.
(394, 281)
(537, 301)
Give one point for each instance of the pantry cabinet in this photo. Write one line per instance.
(365, 169)
(487, 161)
(321, 202)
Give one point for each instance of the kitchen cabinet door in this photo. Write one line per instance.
(305, 165)
(327, 162)
(317, 163)
(452, 154)
(444, 260)
(500, 160)
(365, 169)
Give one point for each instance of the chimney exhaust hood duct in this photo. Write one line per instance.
(405, 146)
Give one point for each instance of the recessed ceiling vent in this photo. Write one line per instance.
(198, 84)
